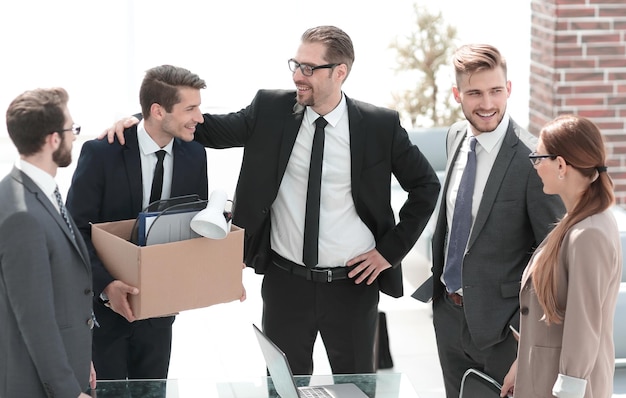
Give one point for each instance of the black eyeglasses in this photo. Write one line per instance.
(75, 129)
(307, 70)
(535, 158)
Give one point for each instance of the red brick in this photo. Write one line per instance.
(567, 63)
(583, 101)
(612, 12)
(600, 38)
(578, 12)
(584, 76)
(590, 25)
(605, 50)
(567, 39)
(611, 101)
(612, 62)
(597, 113)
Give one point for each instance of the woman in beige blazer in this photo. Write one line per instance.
(569, 289)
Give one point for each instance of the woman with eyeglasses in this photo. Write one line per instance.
(569, 288)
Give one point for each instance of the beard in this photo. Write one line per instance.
(62, 156)
(305, 101)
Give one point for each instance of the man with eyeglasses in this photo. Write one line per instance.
(493, 215)
(45, 275)
(325, 249)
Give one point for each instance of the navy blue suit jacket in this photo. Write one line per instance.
(107, 186)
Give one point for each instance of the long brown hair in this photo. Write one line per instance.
(578, 141)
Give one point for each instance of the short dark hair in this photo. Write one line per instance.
(35, 114)
(161, 84)
(472, 58)
(339, 48)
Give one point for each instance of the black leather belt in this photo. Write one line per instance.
(317, 274)
(456, 298)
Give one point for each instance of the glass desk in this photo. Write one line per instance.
(384, 385)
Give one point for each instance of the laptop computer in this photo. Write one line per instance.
(283, 380)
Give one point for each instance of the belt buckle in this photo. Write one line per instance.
(329, 275)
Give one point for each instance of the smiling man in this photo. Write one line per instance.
(324, 237)
(116, 182)
(493, 215)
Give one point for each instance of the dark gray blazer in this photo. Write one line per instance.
(513, 218)
(45, 296)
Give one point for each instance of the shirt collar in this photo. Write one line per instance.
(331, 117)
(147, 145)
(489, 140)
(44, 181)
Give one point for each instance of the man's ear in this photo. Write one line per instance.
(342, 72)
(456, 94)
(53, 140)
(157, 111)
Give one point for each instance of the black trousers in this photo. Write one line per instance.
(137, 350)
(457, 351)
(344, 313)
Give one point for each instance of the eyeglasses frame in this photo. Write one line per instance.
(536, 158)
(75, 129)
(305, 68)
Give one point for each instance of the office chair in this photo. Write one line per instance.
(476, 384)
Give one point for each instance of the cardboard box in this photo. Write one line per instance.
(175, 276)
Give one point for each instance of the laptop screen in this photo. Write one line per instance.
(277, 365)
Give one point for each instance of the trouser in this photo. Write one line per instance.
(457, 351)
(345, 315)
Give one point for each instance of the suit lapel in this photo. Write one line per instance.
(453, 147)
(56, 216)
(132, 162)
(498, 173)
(290, 132)
(181, 166)
(358, 134)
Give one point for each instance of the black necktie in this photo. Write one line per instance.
(63, 210)
(461, 223)
(157, 180)
(312, 214)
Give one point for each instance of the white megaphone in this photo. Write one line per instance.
(211, 222)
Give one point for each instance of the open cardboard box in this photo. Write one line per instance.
(174, 276)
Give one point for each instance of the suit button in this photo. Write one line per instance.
(265, 210)
(88, 292)
(524, 311)
(90, 323)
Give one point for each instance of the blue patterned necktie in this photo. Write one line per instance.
(63, 210)
(461, 223)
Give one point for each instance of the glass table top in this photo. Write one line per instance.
(383, 385)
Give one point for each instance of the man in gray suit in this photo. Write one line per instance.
(45, 275)
(508, 216)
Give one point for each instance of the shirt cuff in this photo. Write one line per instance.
(569, 387)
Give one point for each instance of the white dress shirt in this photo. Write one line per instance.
(147, 153)
(487, 149)
(342, 233)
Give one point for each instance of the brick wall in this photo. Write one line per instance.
(578, 65)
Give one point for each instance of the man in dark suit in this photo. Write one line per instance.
(45, 276)
(360, 246)
(115, 182)
(510, 216)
